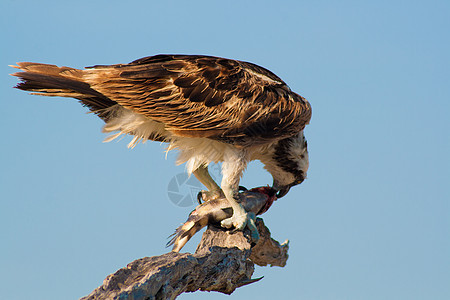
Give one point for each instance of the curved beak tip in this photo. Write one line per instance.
(283, 191)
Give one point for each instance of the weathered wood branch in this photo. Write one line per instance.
(223, 262)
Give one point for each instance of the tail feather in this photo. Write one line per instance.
(49, 69)
(50, 80)
(186, 231)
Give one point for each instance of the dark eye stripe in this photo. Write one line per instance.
(282, 155)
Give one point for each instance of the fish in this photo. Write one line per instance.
(211, 212)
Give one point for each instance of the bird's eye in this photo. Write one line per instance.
(298, 181)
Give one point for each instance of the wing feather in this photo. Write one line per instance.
(204, 96)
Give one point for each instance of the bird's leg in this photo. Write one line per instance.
(205, 178)
(232, 171)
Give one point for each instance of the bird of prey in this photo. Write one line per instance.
(210, 109)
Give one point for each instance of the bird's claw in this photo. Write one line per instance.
(240, 221)
(200, 198)
(242, 188)
(204, 196)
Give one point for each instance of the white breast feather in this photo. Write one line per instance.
(195, 152)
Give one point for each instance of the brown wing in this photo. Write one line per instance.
(204, 96)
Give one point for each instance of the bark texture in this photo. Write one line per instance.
(223, 262)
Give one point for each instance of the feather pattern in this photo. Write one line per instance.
(193, 96)
(210, 108)
(202, 96)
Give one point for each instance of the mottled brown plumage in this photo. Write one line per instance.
(209, 108)
(193, 96)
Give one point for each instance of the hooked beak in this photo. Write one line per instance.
(283, 191)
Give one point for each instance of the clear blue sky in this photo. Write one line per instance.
(372, 221)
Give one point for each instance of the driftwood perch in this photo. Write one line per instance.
(222, 262)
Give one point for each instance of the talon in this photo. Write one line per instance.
(209, 195)
(200, 197)
(242, 188)
(227, 223)
(240, 221)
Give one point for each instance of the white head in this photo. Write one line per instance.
(288, 164)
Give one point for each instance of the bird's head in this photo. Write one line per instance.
(289, 163)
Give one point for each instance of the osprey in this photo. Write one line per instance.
(210, 109)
